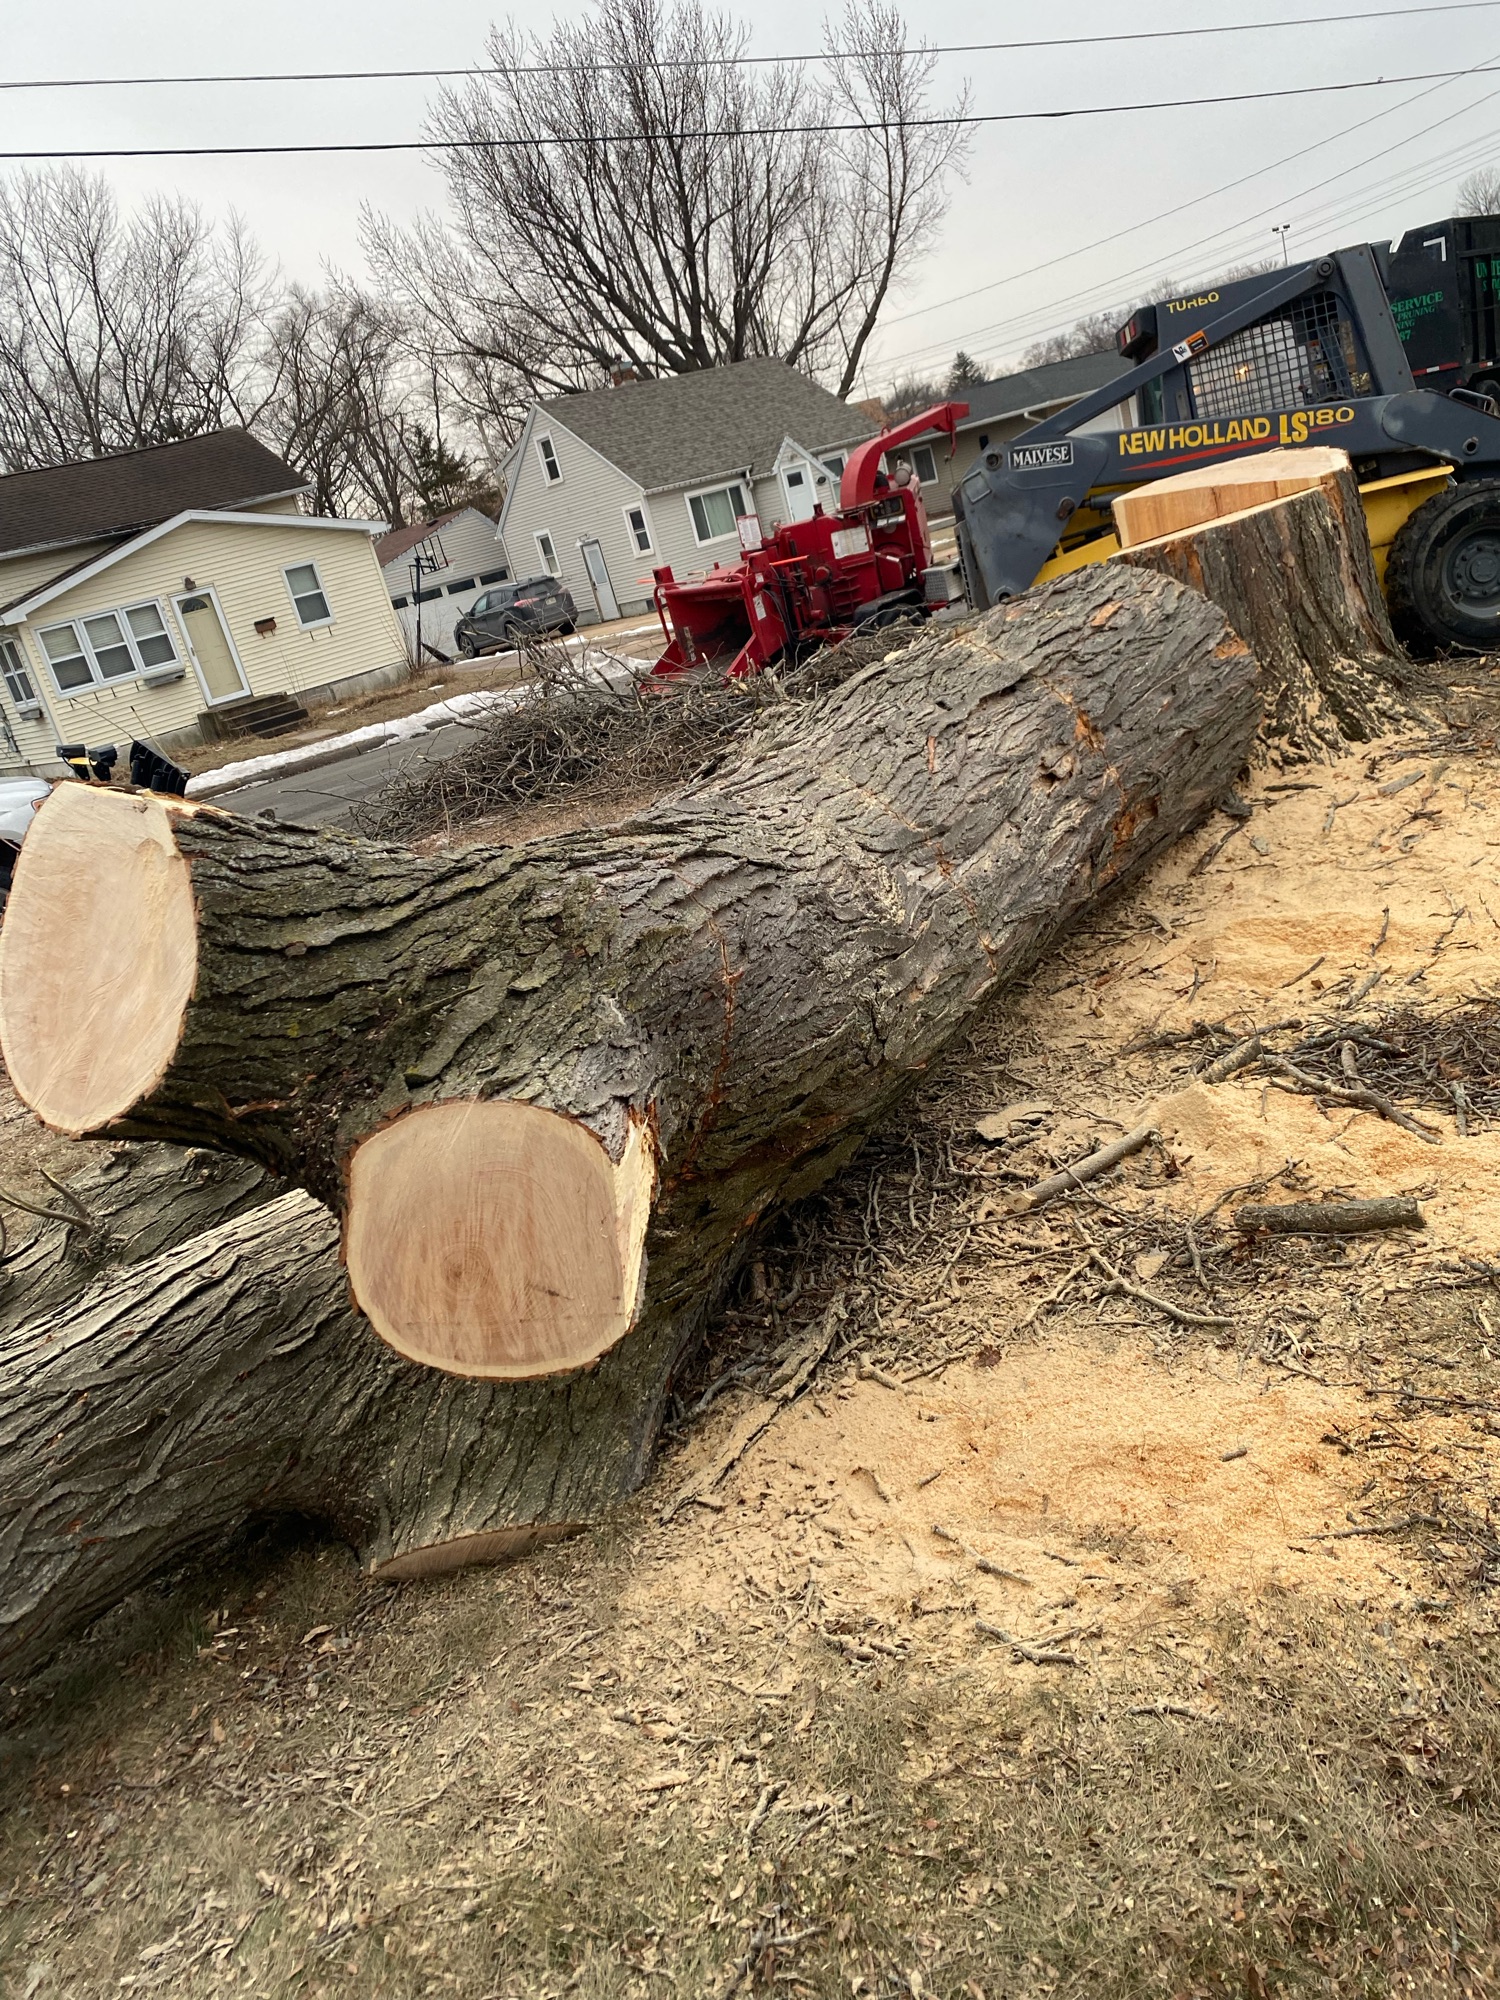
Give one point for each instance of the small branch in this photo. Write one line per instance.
(1037, 1656)
(1179, 1313)
(1330, 1218)
(1237, 1058)
(1359, 1095)
(1083, 1170)
(1053, 1296)
(1380, 1528)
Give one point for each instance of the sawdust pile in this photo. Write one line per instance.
(1063, 1483)
(1367, 885)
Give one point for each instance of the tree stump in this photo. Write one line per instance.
(1296, 579)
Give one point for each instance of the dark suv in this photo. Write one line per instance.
(515, 611)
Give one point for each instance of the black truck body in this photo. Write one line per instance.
(1443, 281)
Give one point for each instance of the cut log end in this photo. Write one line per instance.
(498, 1239)
(90, 1028)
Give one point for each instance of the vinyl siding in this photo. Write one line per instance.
(243, 565)
(473, 547)
(587, 504)
(19, 574)
(471, 544)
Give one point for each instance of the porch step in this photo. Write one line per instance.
(256, 715)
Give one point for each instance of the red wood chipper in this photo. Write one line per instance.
(816, 580)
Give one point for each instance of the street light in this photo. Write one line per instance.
(1281, 229)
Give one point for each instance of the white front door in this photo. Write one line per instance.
(604, 590)
(801, 495)
(218, 664)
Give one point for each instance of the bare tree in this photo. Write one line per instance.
(1095, 333)
(117, 332)
(1480, 193)
(358, 408)
(625, 187)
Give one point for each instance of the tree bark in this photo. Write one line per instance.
(554, 1089)
(1297, 581)
(132, 1204)
(152, 1416)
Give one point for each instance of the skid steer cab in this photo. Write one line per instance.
(818, 580)
(1308, 355)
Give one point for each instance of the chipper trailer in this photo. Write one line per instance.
(816, 580)
(1309, 354)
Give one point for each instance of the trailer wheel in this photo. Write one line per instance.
(1442, 580)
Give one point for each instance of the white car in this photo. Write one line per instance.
(19, 799)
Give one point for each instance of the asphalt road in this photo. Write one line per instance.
(325, 796)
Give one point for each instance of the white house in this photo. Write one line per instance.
(463, 541)
(175, 595)
(607, 485)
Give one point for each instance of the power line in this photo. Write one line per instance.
(1016, 330)
(1226, 187)
(740, 132)
(729, 62)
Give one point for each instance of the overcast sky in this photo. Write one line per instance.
(1082, 191)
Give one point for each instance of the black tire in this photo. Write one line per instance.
(567, 628)
(1442, 579)
(467, 645)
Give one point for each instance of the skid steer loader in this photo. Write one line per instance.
(1308, 354)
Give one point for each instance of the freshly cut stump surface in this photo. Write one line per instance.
(98, 970)
(1207, 492)
(497, 1239)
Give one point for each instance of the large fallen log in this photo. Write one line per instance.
(506, 1065)
(502, 1062)
(153, 1415)
(554, 1089)
(1296, 578)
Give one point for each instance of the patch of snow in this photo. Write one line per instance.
(611, 668)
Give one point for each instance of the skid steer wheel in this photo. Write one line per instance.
(1442, 581)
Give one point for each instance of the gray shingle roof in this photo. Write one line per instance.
(94, 498)
(685, 428)
(1034, 388)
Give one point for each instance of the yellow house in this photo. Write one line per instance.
(175, 595)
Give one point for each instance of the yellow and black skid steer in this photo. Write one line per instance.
(1308, 354)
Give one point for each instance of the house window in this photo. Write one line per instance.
(836, 464)
(493, 575)
(640, 533)
(551, 470)
(306, 588)
(17, 680)
(454, 588)
(715, 512)
(399, 603)
(548, 554)
(923, 464)
(108, 646)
